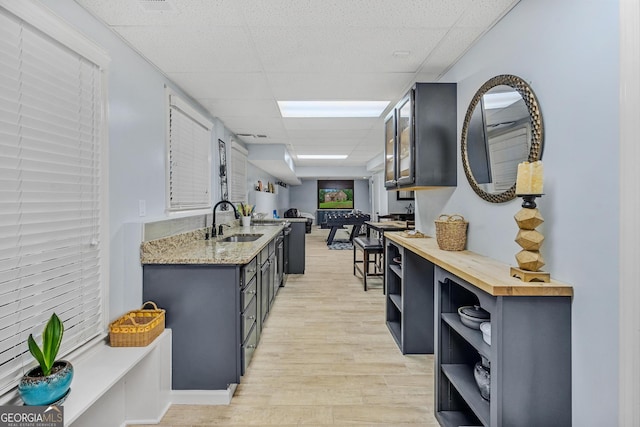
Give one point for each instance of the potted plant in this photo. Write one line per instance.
(50, 381)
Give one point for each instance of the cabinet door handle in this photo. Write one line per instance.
(252, 317)
(251, 346)
(251, 292)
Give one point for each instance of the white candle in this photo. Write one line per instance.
(530, 178)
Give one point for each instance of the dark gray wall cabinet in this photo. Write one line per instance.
(420, 138)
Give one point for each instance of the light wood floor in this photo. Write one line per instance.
(325, 358)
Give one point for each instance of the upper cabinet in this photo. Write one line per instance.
(420, 138)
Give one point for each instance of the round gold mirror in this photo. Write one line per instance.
(502, 127)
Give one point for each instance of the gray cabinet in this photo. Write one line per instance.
(216, 313)
(203, 309)
(420, 138)
(529, 355)
(409, 299)
(295, 252)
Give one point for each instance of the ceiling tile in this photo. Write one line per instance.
(224, 85)
(339, 49)
(237, 57)
(354, 13)
(189, 13)
(225, 108)
(183, 49)
(336, 86)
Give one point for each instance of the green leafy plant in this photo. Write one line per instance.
(245, 210)
(51, 339)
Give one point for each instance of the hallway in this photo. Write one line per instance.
(325, 358)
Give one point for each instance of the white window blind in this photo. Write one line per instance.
(238, 174)
(189, 172)
(51, 249)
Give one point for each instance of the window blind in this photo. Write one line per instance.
(238, 174)
(50, 190)
(189, 158)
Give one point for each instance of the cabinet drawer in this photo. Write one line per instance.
(249, 317)
(264, 255)
(249, 272)
(248, 347)
(248, 292)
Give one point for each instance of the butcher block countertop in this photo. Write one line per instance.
(192, 248)
(485, 273)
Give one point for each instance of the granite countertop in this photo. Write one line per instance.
(278, 220)
(192, 248)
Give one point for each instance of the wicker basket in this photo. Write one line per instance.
(137, 328)
(451, 232)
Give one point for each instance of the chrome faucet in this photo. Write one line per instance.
(213, 219)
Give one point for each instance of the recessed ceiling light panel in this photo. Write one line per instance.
(332, 108)
(322, 156)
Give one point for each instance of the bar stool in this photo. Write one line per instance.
(369, 246)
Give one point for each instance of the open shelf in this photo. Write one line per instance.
(456, 418)
(396, 269)
(543, 356)
(473, 336)
(409, 300)
(394, 328)
(397, 300)
(461, 377)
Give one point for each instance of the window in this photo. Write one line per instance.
(189, 154)
(238, 173)
(53, 248)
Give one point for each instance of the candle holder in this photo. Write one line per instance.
(529, 258)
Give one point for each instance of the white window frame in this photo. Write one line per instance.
(176, 102)
(239, 165)
(50, 25)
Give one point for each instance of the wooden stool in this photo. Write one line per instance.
(369, 246)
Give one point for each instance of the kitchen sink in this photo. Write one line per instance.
(241, 238)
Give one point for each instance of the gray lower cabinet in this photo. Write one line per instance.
(296, 249)
(529, 356)
(409, 301)
(216, 313)
(203, 309)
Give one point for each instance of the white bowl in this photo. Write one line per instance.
(485, 327)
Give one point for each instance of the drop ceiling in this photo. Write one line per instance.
(238, 57)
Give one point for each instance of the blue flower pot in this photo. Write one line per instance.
(38, 390)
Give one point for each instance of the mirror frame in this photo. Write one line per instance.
(537, 134)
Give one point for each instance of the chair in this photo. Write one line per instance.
(369, 246)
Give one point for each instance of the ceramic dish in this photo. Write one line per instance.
(473, 315)
(485, 327)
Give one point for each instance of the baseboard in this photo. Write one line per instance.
(203, 397)
(149, 421)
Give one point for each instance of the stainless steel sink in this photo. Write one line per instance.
(242, 238)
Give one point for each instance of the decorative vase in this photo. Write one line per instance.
(482, 375)
(38, 390)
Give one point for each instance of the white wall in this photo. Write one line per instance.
(568, 52)
(255, 174)
(136, 98)
(304, 196)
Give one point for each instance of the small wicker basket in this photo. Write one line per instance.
(137, 328)
(451, 232)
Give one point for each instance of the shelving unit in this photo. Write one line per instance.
(530, 358)
(409, 305)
